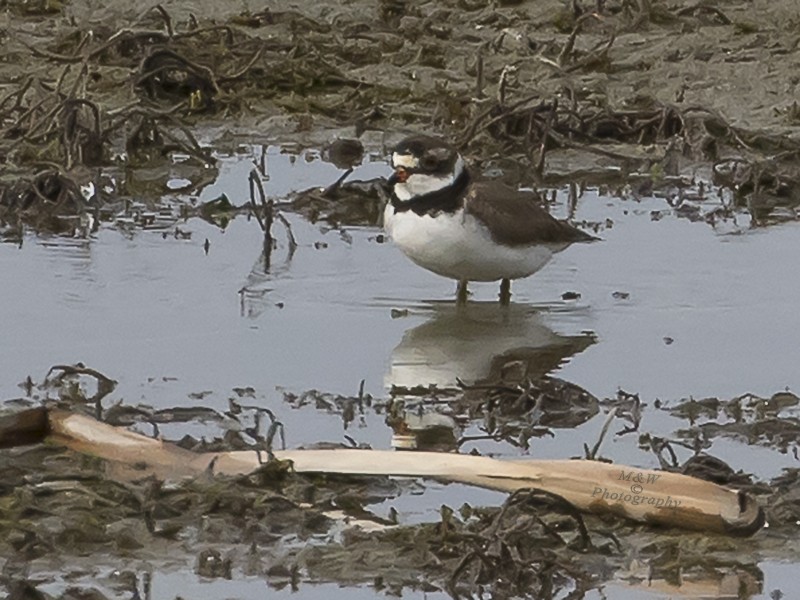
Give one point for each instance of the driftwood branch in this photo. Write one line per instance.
(642, 495)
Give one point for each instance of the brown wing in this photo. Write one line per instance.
(516, 218)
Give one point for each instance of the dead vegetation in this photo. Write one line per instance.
(117, 94)
(771, 422)
(535, 545)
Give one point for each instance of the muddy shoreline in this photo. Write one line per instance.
(61, 509)
(643, 96)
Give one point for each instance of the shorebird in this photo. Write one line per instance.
(467, 230)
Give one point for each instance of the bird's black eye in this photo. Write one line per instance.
(428, 162)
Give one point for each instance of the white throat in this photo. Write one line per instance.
(419, 184)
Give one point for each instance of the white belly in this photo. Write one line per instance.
(458, 246)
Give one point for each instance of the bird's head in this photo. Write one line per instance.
(423, 164)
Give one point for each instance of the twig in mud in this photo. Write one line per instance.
(85, 37)
(28, 115)
(645, 9)
(165, 16)
(71, 131)
(703, 7)
(243, 71)
(255, 183)
(462, 565)
(508, 72)
(78, 369)
(195, 149)
(477, 121)
(658, 445)
(495, 437)
(565, 143)
(592, 455)
(19, 94)
(190, 146)
(261, 163)
(136, 108)
(331, 190)
(594, 56)
(360, 395)
(662, 125)
(48, 120)
(52, 55)
(634, 415)
(82, 74)
(569, 46)
(229, 38)
(266, 221)
(45, 166)
(275, 427)
(524, 496)
(105, 385)
(548, 61)
(752, 199)
(722, 122)
(53, 189)
(479, 73)
(62, 77)
(538, 169)
(162, 69)
(126, 35)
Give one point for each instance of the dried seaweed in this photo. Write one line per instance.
(535, 545)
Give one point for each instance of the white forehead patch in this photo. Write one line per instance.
(407, 161)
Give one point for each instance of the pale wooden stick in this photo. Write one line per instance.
(642, 495)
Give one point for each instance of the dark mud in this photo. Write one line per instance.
(289, 530)
(631, 93)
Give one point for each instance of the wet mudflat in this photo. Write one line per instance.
(681, 320)
(194, 330)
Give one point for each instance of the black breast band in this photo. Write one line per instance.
(448, 199)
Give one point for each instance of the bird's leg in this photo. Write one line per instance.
(462, 293)
(505, 292)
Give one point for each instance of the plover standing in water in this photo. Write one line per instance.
(464, 229)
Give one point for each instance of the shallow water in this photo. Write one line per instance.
(166, 320)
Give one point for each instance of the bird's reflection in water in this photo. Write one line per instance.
(482, 360)
(478, 343)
